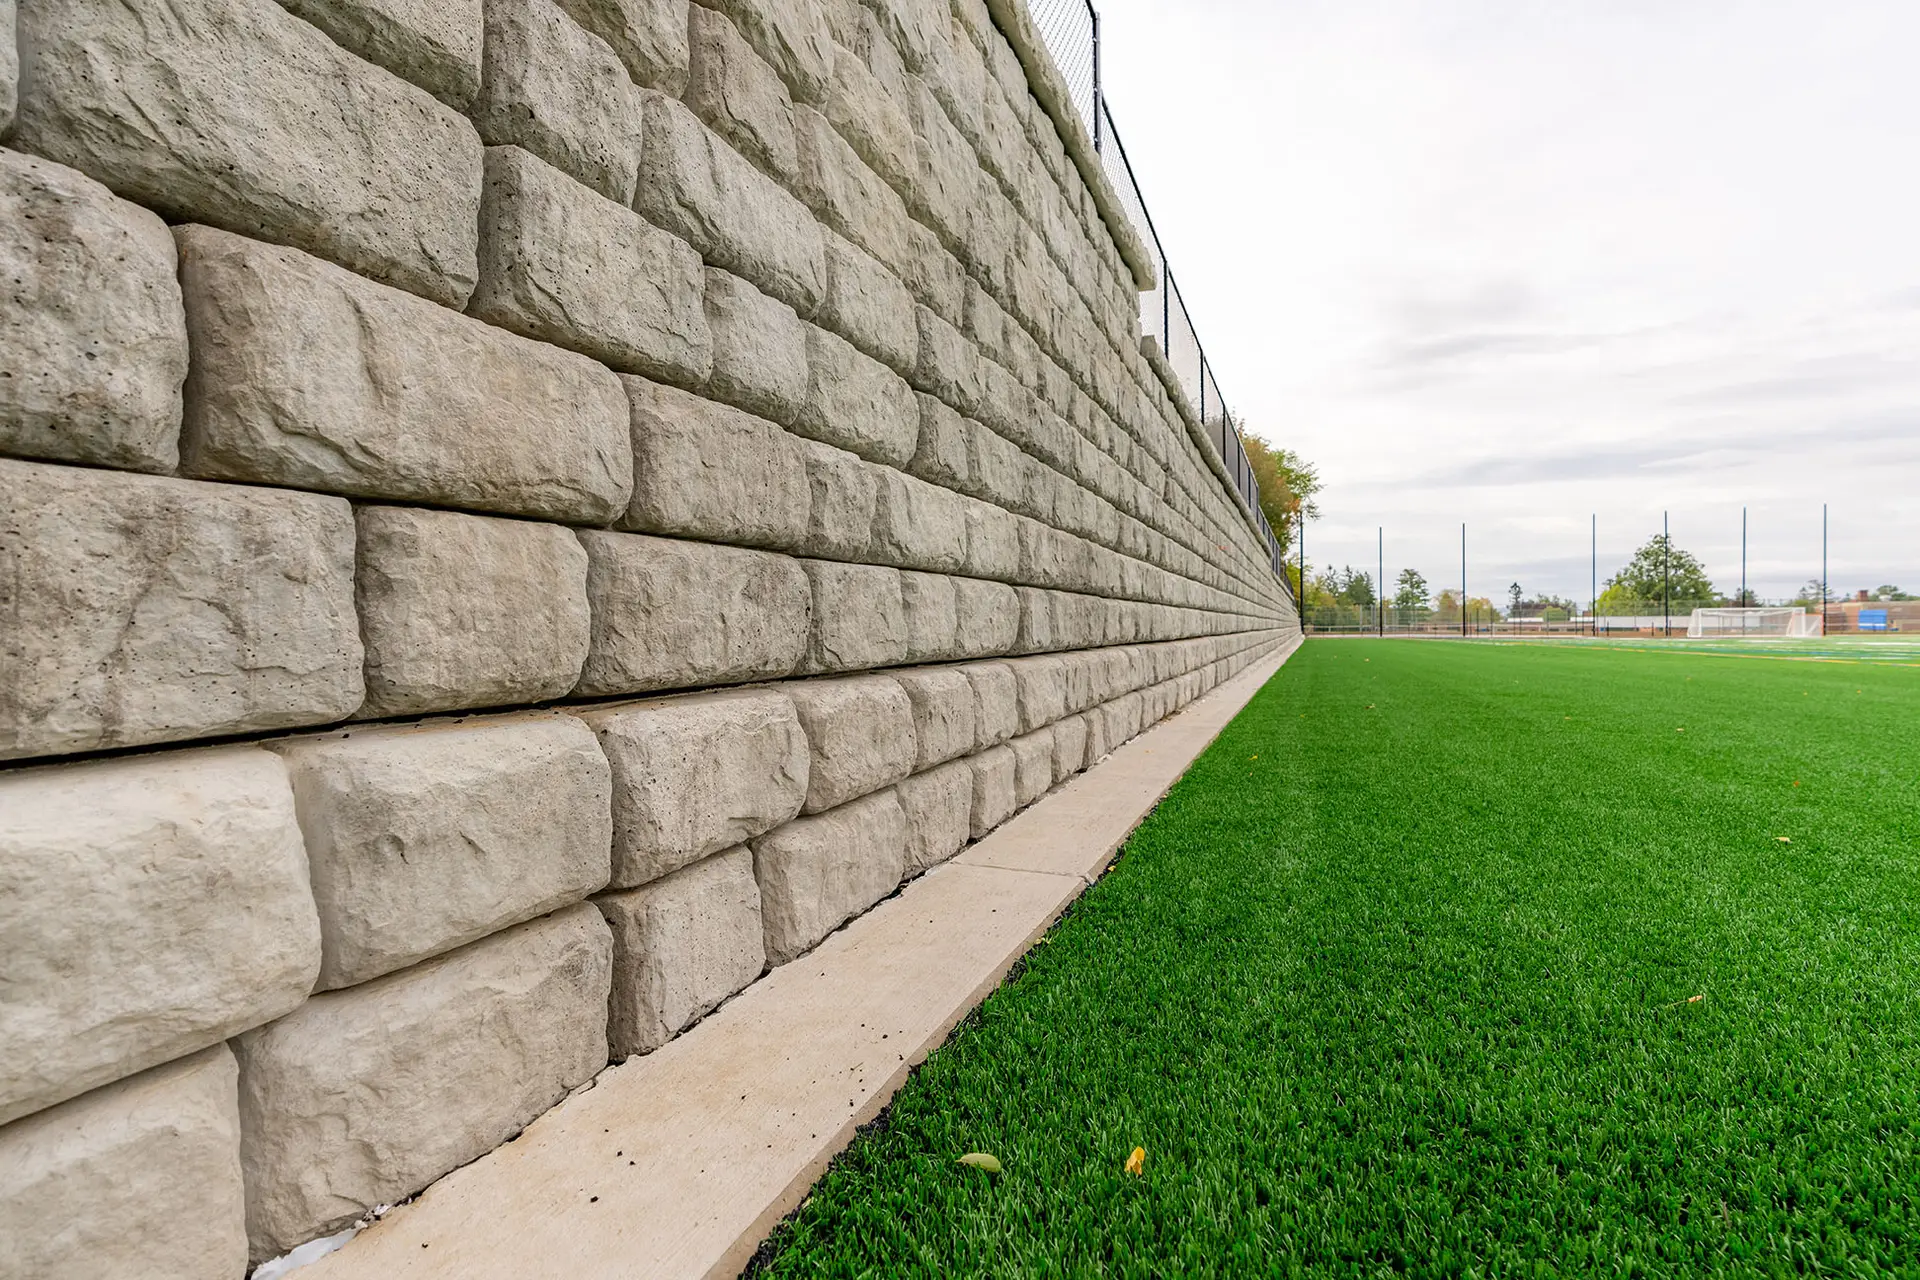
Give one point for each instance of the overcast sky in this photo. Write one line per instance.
(1514, 262)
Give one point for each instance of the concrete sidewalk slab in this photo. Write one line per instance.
(678, 1164)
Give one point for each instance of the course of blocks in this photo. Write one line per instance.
(515, 517)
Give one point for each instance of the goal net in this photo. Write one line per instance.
(1752, 624)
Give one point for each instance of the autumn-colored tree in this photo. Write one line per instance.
(1287, 483)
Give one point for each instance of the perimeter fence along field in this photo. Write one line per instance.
(1462, 960)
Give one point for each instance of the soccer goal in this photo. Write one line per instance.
(1752, 624)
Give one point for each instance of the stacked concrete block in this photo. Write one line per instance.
(91, 329)
(361, 1097)
(505, 353)
(424, 838)
(818, 872)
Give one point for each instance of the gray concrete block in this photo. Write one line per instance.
(933, 617)
(560, 263)
(759, 349)
(425, 838)
(678, 615)
(940, 457)
(696, 186)
(860, 737)
(917, 525)
(237, 114)
(649, 36)
(697, 774)
(432, 43)
(154, 906)
(465, 611)
(996, 702)
(362, 1097)
(871, 119)
(707, 470)
(939, 809)
(947, 174)
(681, 945)
(9, 67)
(817, 873)
(937, 278)
(792, 35)
(986, 618)
(558, 91)
(995, 773)
(88, 276)
(868, 306)
(836, 184)
(859, 617)
(856, 403)
(915, 27)
(943, 714)
(1036, 621)
(1097, 743)
(1033, 765)
(1042, 689)
(739, 96)
(947, 365)
(844, 490)
(140, 609)
(307, 376)
(1069, 747)
(139, 1178)
(993, 542)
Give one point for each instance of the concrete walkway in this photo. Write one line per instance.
(679, 1163)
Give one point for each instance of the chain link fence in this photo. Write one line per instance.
(1071, 30)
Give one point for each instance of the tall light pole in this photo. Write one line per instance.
(1381, 595)
(1593, 601)
(1666, 577)
(1825, 589)
(1463, 580)
(1743, 558)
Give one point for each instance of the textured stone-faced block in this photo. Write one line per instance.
(91, 331)
(996, 702)
(558, 91)
(1069, 747)
(987, 618)
(868, 306)
(856, 403)
(148, 908)
(696, 186)
(994, 800)
(1042, 685)
(9, 66)
(817, 873)
(844, 490)
(676, 615)
(1033, 765)
(939, 809)
(860, 737)
(565, 265)
(947, 365)
(739, 96)
(917, 525)
(940, 457)
(759, 349)
(308, 376)
(993, 542)
(850, 197)
(859, 617)
(710, 471)
(649, 36)
(425, 838)
(238, 114)
(681, 945)
(943, 714)
(947, 176)
(137, 609)
(792, 35)
(361, 1097)
(467, 611)
(140, 1178)
(933, 624)
(697, 774)
(433, 43)
(870, 119)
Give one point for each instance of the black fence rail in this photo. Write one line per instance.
(1071, 30)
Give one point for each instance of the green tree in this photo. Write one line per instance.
(1661, 571)
(1410, 590)
(1356, 589)
(1287, 483)
(1887, 591)
(1514, 596)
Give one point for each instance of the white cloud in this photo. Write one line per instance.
(1513, 264)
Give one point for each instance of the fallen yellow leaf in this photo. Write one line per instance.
(1137, 1161)
(1784, 839)
(981, 1160)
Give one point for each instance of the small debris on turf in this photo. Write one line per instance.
(1784, 839)
(1137, 1162)
(1689, 1000)
(981, 1160)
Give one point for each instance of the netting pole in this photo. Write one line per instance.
(1380, 596)
(1097, 112)
(1463, 580)
(1593, 584)
(1825, 588)
(1666, 577)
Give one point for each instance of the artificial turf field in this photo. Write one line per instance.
(1400, 978)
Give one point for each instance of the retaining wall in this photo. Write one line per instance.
(394, 391)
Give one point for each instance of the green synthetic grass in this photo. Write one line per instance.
(1395, 981)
